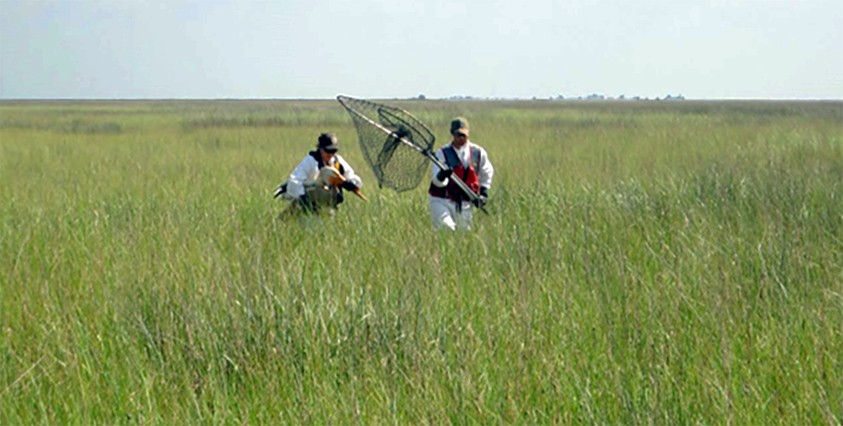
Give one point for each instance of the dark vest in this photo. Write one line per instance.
(468, 175)
(316, 156)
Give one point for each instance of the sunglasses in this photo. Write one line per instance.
(460, 135)
(330, 151)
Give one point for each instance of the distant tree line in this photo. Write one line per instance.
(590, 97)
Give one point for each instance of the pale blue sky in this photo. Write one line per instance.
(703, 49)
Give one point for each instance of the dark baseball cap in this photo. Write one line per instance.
(328, 142)
(459, 125)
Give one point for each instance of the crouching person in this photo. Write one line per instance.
(316, 185)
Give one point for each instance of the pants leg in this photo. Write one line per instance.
(466, 217)
(443, 214)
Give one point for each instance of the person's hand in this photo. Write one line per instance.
(350, 187)
(481, 201)
(444, 174)
(482, 198)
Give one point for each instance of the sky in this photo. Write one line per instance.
(316, 49)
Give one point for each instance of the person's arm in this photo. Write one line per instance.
(307, 170)
(351, 178)
(440, 176)
(486, 171)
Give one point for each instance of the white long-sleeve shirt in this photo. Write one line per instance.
(485, 171)
(308, 170)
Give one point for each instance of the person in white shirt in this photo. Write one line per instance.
(316, 185)
(450, 207)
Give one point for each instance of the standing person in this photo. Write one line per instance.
(316, 184)
(449, 205)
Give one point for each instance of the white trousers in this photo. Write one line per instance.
(444, 214)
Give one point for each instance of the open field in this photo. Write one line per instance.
(643, 262)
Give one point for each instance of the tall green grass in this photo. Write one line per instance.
(643, 262)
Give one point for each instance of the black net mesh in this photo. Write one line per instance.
(393, 142)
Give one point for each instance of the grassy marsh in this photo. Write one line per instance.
(644, 262)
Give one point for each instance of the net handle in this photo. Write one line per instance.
(473, 198)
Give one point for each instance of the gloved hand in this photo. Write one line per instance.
(348, 186)
(444, 174)
(482, 197)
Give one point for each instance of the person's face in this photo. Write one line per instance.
(460, 138)
(327, 155)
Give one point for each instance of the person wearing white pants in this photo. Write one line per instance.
(449, 205)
